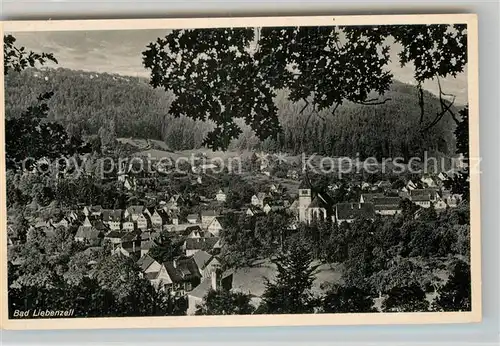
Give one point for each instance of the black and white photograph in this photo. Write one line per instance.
(322, 169)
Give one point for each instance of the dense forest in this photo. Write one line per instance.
(84, 102)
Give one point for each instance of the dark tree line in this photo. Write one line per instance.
(107, 107)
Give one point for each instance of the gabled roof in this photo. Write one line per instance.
(94, 208)
(182, 270)
(368, 197)
(194, 228)
(318, 202)
(130, 246)
(201, 258)
(423, 192)
(350, 211)
(304, 185)
(115, 235)
(421, 198)
(99, 225)
(146, 235)
(202, 289)
(42, 223)
(254, 209)
(146, 245)
(294, 205)
(261, 195)
(150, 210)
(160, 213)
(386, 201)
(128, 236)
(151, 275)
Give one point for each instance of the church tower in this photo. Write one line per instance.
(304, 202)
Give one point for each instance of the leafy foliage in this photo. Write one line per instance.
(459, 183)
(18, 58)
(341, 299)
(84, 103)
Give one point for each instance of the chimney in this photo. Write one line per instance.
(174, 263)
(216, 278)
(133, 246)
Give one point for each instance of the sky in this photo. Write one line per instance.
(120, 51)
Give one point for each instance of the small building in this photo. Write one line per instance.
(423, 201)
(114, 237)
(368, 197)
(129, 249)
(89, 235)
(112, 218)
(63, 222)
(215, 226)
(184, 274)
(129, 225)
(423, 197)
(215, 282)
(142, 222)
(207, 217)
(134, 211)
(148, 264)
(348, 212)
(428, 181)
(192, 245)
(387, 205)
(259, 199)
(267, 208)
(158, 218)
(253, 211)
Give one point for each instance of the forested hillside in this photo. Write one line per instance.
(84, 102)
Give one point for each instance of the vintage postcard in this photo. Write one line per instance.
(213, 172)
